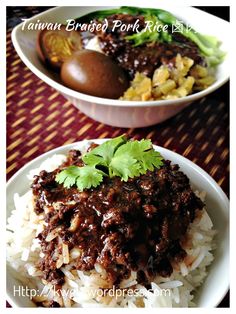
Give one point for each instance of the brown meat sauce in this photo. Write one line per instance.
(135, 225)
(147, 57)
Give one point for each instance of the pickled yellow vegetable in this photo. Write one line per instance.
(173, 82)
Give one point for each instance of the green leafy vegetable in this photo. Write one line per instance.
(141, 151)
(149, 34)
(116, 157)
(101, 14)
(83, 177)
(208, 45)
(124, 167)
(102, 154)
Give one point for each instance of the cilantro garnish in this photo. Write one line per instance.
(117, 157)
(83, 177)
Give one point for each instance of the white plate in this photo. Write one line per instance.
(216, 284)
(116, 112)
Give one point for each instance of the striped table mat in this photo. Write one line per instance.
(40, 119)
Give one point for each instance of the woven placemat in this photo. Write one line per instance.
(40, 119)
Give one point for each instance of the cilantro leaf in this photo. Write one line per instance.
(143, 152)
(116, 157)
(103, 154)
(68, 176)
(84, 177)
(89, 177)
(124, 166)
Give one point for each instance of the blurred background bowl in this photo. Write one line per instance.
(130, 114)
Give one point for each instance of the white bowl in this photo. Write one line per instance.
(119, 113)
(216, 284)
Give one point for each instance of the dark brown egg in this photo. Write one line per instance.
(55, 46)
(93, 73)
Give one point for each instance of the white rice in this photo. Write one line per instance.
(86, 289)
(93, 44)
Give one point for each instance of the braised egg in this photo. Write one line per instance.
(93, 73)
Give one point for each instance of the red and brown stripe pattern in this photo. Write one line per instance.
(40, 119)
